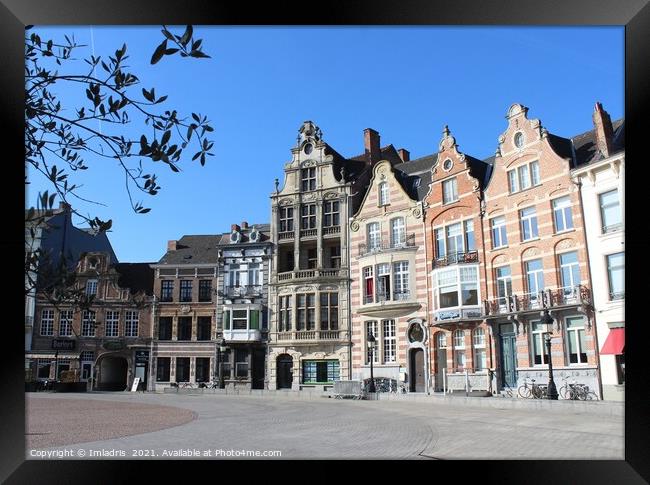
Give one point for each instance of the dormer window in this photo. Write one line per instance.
(235, 237)
(254, 235)
(384, 198)
(92, 263)
(519, 139)
(91, 287)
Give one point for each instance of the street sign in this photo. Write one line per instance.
(141, 356)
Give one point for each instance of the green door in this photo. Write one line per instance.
(509, 358)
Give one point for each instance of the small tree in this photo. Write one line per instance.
(58, 143)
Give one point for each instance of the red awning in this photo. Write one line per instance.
(615, 342)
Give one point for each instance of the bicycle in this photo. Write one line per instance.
(209, 385)
(185, 385)
(576, 392)
(533, 391)
(508, 390)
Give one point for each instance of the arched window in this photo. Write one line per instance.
(459, 350)
(479, 336)
(383, 194)
(478, 339)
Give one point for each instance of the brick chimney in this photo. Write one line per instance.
(371, 144)
(604, 130)
(244, 225)
(404, 154)
(234, 227)
(171, 245)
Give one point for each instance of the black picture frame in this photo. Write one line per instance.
(633, 14)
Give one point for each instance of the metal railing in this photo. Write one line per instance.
(548, 298)
(456, 258)
(383, 296)
(242, 291)
(407, 242)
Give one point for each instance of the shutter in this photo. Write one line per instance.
(255, 319)
(226, 320)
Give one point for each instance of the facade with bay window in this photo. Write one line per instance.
(536, 258)
(460, 341)
(600, 179)
(388, 289)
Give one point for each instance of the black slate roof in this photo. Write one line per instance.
(136, 276)
(199, 249)
(410, 172)
(586, 150)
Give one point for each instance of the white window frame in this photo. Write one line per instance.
(479, 348)
(537, 337)
(450, 185)
(499, 229)
(609, 268)
(613, 227)
(562, 212)
(374, 235)
(131, 323)
(569, 286)
(331, 210)
(112, 323)
(308, 177)
(401, 280)
(286, 219)
(65, 322)
(384, 194)
(91, 287)
(397, 232)
(88, 319)
(389, 341)
(372, 326)
(528, 222)
(47, 322)
(310, 217)
(576, 331)
(534, 292)
(524, 177)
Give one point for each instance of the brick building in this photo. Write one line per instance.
(460, 340)
(105, 334)
(536, 258)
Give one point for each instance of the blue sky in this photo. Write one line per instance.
(260, 84)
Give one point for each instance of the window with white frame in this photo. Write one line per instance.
(308, 178)
(504, 284)
(523, 177)
(306, 317)
(459, 349)
(65, 323)
(286, 219)
(562, 216)
(456, 286)
(610, 211)
(131, 324)
(384, 194)
(111, 327)
(441, 340)
(254, 275)
(390, 341)
(401, 278)
(284, 306)
(369, 286)
(47, 323)
(397, 232)
(308, 216)
(454, 239)
(478, 341)
(371, 328)
(449, 191)
(528, 218)
(236, 276)
(186, 290)
(383, 282)
(499, 235)
(576, 343)
(91, 287)
(88, 323)
(374, 236)
(335, 256)
(534, 278)
(538, 343)
(331, 213)
(469, 235)
(616, 275)
(569, 271)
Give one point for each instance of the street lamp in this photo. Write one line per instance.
(547, 322)
(372, 343)
(222, 350)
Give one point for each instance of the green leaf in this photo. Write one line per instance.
(159, 52)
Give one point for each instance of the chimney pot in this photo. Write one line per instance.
(244, 225)
(234, 227)
(404, 154)
(603, 129)
(171, 245)
(371, 144)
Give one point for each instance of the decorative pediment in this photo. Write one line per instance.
(521, 131)
(309, 132)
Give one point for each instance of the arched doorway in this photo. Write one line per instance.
(284, 371)
(416, 370)
(113, 373)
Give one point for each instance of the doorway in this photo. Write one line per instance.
(284, 371)
(259, 357)
(113, 374)
(416, 371)
(508, 340)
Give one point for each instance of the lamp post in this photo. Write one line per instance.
(547, 322)
(372, 343)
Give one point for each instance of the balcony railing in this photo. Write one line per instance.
(407, 242)
(304, 274)
(309, 335)
(456, 258)
(549, 298)
(308, 232)
(382, 297)
(242, 291)
(286, 235)
(331, 230)
(242, 335)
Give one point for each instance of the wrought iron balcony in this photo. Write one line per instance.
(456, 258)
(548, 298)
(381, 246)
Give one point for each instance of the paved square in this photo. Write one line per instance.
(317, 428)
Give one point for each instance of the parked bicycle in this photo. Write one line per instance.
(533, 391)
(576, 392)
(185, 385)
(382, 384)
(209, 385)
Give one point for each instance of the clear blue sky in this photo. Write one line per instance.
(405, 82)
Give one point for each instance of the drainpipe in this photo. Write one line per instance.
(347, 238)
(151, 383)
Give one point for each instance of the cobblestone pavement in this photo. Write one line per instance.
(339, 429)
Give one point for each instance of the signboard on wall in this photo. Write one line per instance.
(63, 344)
